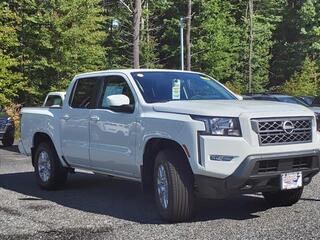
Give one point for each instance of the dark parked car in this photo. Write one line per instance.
(277, 98)
(288, 99)
(307, 99)
(316, 102)
(6, 129)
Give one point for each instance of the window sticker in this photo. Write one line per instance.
(140, 75)
(176, 89)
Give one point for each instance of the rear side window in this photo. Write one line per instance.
(53, 100)
(85, 92)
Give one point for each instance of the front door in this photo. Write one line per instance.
(112, 134)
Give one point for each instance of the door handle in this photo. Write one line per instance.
(94, 118)
(66, 117)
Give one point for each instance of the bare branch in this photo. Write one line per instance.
(126, 5)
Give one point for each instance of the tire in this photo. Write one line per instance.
(8, 138)
(180, 197)
(7, 141)
(283, 198)
(47, 158)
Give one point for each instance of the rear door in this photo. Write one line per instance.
(75, 122)
(112, 134)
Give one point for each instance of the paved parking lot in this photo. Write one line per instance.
(94, 207)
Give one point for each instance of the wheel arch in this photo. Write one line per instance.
(38, 138)
(152, 147)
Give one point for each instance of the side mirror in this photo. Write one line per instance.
(120, 103)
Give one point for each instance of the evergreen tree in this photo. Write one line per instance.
(58, 40)
(310, 28)
(216, 40)
(306, 82)
(11, 81)
(266, 16)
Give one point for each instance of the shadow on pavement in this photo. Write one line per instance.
(310, 199)
(13, 148)
(123, 199)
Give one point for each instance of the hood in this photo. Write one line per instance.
(229, 108)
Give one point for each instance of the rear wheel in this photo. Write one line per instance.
(50, 174)
(283, 198)
(173, 186)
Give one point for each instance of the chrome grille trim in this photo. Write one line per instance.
(271, 131)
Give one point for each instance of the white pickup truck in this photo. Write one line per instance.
(181, 134)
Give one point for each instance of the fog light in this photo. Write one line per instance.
(223, 158)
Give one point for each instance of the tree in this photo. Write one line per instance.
(11, 81)
(216, 40)
(149, 55)
(188, 35)
(136, 33)
(305, 82)
(59, 39)
(266, 14)
(310, 27)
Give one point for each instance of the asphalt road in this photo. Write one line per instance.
(93, 207)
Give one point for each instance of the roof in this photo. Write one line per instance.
(128, 71)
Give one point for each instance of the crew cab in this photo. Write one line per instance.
(180, 134)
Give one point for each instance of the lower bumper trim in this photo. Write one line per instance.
(246, 179)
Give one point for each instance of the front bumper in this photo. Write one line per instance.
(259, 173)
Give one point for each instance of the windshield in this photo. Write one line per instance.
(292, 100)
(175, 86)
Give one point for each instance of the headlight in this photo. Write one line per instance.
(221, 126)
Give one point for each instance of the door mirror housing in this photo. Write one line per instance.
(120, 103)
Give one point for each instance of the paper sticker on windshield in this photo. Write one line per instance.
(176, 89)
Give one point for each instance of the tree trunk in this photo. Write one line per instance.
(136, 33)
(188, 35)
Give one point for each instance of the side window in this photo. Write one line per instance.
(53, 100)
(84, 94)
(115, 85)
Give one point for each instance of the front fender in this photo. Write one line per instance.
(176, 127)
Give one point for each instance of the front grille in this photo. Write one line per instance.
(283, 130)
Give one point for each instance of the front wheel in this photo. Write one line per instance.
(173, 186)
(50, 174)
(283, 198)
(8, 140)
